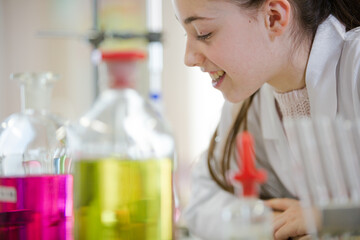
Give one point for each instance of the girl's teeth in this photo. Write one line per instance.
(217, 74)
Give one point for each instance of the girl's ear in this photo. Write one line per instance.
(277, 16)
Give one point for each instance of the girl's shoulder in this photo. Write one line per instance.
(353, 35)
(351, 48)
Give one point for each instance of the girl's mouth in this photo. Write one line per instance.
(217, 78)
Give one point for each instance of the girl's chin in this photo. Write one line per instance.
(234, 98)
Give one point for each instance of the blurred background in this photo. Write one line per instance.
(51, 35)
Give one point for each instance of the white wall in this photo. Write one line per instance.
(24, 50)
(2, 88)
(191, 105)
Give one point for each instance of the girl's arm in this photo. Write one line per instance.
(203, 213)
(207, 199)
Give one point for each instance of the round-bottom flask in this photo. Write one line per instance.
(247, 219)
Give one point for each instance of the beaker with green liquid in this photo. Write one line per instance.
(122, 161)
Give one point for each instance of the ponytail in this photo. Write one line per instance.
(311, 13)
(347, 12)
(240, 122)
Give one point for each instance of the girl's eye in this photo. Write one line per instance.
(204, 37)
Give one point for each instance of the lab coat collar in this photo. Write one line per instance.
(321, 72)
(320, 79)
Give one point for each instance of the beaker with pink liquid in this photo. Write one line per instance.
(36, 186)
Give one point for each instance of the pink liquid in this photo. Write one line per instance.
(41, 208)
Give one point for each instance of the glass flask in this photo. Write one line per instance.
(35, 184)
(248, 218)
(123, 155)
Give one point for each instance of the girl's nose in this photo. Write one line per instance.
(193, 57)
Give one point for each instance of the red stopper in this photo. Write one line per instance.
(121, 67)
(122, 55)
(248, 175)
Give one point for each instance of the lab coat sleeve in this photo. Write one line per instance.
(203, 212)
(207, 200)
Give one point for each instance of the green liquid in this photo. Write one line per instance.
(122, 199)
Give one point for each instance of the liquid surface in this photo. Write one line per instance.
(36, 207)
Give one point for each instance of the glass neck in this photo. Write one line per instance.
(121, 75)
(120, 83)
(35, 90)
(35, 97)
(248, 190)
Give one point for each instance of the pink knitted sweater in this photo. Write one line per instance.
(294, 104)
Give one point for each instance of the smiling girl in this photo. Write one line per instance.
(273, 60)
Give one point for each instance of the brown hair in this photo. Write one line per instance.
(309, 14)
(240, 122)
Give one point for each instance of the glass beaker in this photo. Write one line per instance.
(123, 155)
(35, 184)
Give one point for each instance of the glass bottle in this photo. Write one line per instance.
(35, 184)
(122, 161)
(248, 218)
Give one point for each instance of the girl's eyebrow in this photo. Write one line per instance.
(194, 18)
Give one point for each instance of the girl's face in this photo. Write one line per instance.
(230, 43)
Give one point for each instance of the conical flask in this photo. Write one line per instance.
(248, 218)
(122, 161)
(35, 184)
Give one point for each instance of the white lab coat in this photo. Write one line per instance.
(333, 84)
